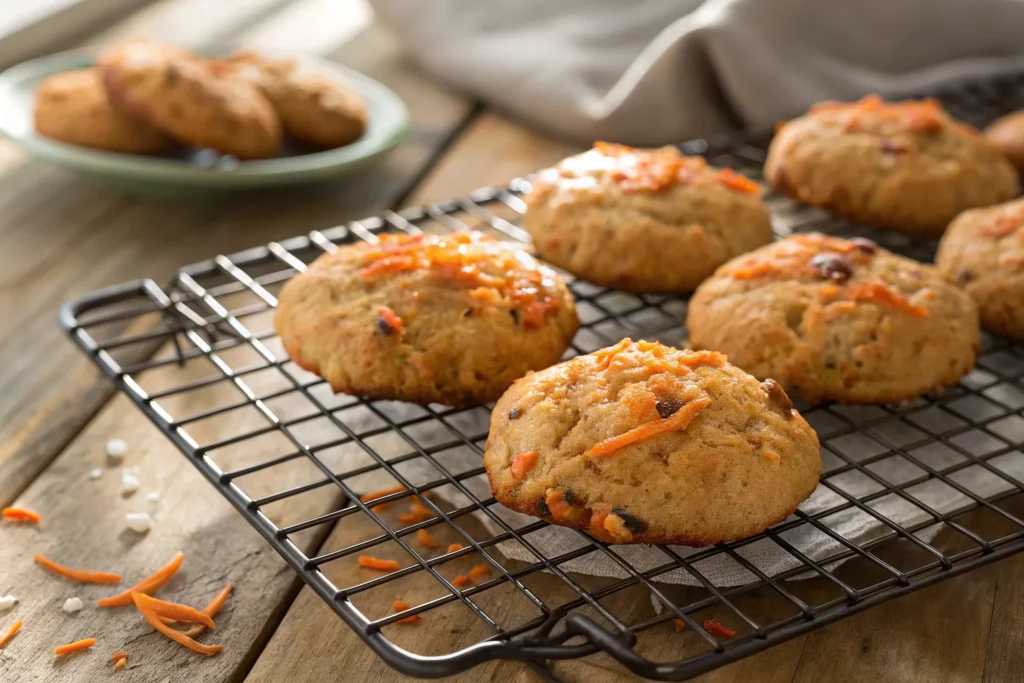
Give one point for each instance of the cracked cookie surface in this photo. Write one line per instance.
(451, 319)
(643, 220)
(836, 319)
(643, 443)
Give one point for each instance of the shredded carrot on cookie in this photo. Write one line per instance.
(455, 547)
(522, 462)
(390, 323)
(148, 585)
(121, 663)
(677, 422)
(367, 562)
(144, 603)
(118, 655)
(401, 606)
(81, 575)
(617, 529)
(6, 636)
(877, 292)
(716, 629)
(735, 181)
(76, 646)
(21, 516)
(424, 538)
(461, 580)
(478, 572)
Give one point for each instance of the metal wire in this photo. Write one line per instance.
(217, 312)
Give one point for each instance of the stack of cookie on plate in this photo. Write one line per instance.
(644, 443)
(145, 98)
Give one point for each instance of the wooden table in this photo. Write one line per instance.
(62, 237)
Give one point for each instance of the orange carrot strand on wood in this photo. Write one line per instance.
(454, 547)
(460, 581)
(401, 606)
(118, 655)
(678, 625)
(148, 585)
(76, 646)
(21, 515)
(178, 612)
(121, 663)
(424, 538)
(6, 636)
(479, 572)
(211, 610)
(716, 629)
(144, 605)
(367, 562)
(81, 575)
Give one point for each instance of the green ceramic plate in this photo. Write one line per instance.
(184, 170)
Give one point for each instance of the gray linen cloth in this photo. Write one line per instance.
(648, 72)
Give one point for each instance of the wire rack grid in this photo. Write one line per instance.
(201, 360)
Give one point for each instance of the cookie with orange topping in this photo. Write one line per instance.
(983, 252)
(644, 443)
(643, 220)
(837, 319)
(902, 165)
(451, 319)
(1007, 133)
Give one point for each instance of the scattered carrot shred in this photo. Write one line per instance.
(148, 585)
(522, 462)
(461, 580)
(21, 515)
(478, 572)
(82, 575)
(118, 655)
(391, 320)
(121, 663)
(716, 629)
(401, 606)
(374, 495)
(178, 612)
(878, 292)
(367, 562)
(76, 646)
(735, 181)
(6, 636)
(211, 610)
(455, 547)
(424, 538)
(678, 625)
(676, 422)
(144, 604)
(417, 513)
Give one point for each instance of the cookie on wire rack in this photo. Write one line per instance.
(643, 220)
(644, 443)
(902, 165)
(983, 252)
(451, 319)
(836, 319)
(1007, 133)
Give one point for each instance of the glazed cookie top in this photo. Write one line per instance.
(635, 171)
(640, 442)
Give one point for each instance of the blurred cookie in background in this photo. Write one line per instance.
(1007, 133)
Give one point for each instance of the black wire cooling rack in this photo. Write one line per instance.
(910, 494)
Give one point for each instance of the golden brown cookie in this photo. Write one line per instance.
(983, 252)
(643, 220)
(430, 319)
(1007, 133)
(182, 95)
(73, 107)
(313, 107)
(835, 319)
(907, 165)
(643, 443)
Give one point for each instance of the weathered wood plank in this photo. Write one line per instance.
(115, 238)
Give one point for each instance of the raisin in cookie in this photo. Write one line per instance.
(182, 95)
(907, 165)
(313, 107)
(836, 319)
(73, 107)
(643, 443)
(643, 220)
(983, 252)
(430, 319)
(1007, 133)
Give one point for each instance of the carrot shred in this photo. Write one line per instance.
(82, 575)
(391, 320)
(455, 547)
(735, 181)
(677, 422)
(479, 572)
(400, 606)
(118, 655)
(678, 625)
(21, 515)
(6, 636)
(76, 646)
(148, 585)
(417, 513)
(617, 529)
(144, 604)
(522, 462)
(367, 562)
(121, 663)
(424, 538)
(461, 580)
(211, 610)
(176, 611)
(374, 495)
(716, 629)
(878, 292)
